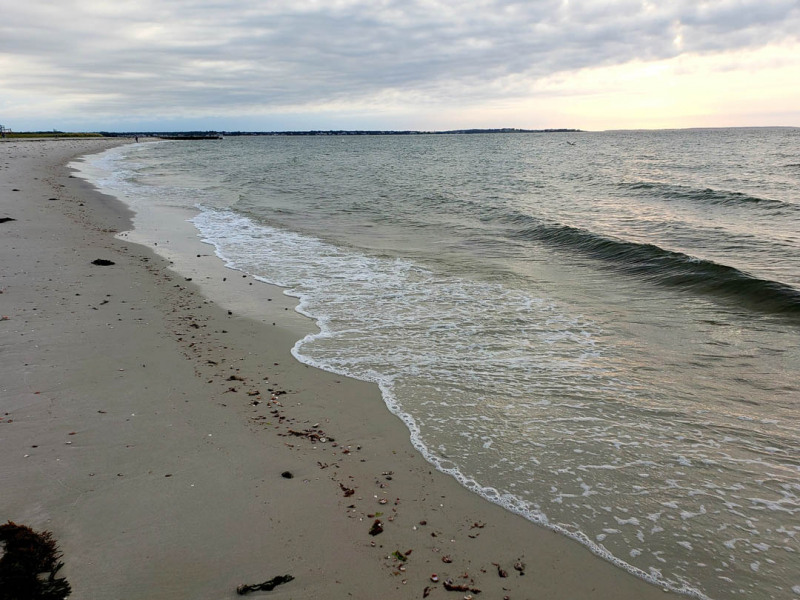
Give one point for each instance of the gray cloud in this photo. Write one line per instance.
(223, 57)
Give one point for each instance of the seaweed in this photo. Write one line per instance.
(29, 565)
(267, 586)
(377, 528)
(501, 572)
(315, 435)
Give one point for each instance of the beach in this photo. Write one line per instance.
(158, 425)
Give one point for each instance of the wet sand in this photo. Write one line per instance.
(151, 414)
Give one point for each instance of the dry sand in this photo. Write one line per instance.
(148, 429)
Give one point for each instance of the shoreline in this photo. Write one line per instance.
(130, 429)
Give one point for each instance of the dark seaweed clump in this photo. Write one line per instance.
(29, 564)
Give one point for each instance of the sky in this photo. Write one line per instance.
(272, 65)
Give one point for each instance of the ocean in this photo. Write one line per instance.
(597, 330)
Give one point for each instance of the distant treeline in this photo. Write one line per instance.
(392, 132)
(191, 134)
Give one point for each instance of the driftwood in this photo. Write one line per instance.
(27, 556)
(456, 587)
(267, 586)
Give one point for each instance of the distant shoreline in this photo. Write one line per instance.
(214, 134)
(320, 132)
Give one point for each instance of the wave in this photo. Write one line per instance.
(675, 269)
(705, 195)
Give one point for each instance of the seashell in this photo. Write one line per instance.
(434, 578)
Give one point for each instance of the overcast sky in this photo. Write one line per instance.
(397, 64)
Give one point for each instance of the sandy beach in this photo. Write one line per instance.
(153, 418)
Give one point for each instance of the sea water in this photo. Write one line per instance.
(599, 331)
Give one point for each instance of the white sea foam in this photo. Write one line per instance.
(255, 246)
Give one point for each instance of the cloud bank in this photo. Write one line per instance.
(257, 61)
